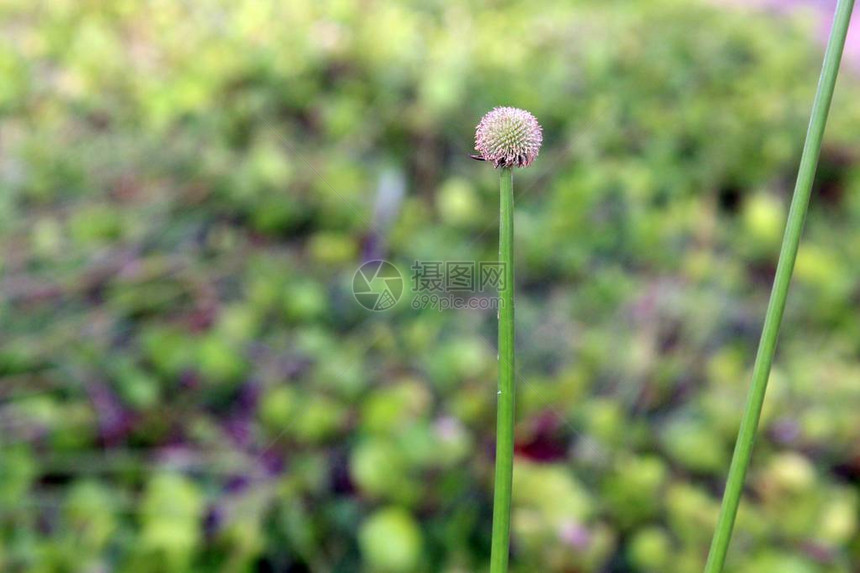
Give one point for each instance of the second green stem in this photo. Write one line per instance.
(507, 391)
(776, 306)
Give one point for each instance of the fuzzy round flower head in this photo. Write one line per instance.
(508, 137)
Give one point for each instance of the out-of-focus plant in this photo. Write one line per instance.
(186, 189)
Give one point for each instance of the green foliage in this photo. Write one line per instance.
(391, 541)
(187, 188)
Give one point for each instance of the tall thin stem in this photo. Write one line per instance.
(776, 306)
(506, 394)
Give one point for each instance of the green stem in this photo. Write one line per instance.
(506, 394)
(776, 306)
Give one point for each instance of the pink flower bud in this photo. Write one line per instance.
(508, 137)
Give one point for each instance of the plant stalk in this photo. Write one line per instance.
(506, 395)
(782, 279)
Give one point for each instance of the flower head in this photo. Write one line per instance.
(508, 137)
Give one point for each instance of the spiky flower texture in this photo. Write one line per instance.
(508, 137)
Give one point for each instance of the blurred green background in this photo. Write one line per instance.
(187, 384)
